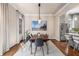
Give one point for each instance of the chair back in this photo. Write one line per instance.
(27, 38)
(71, 41)
(39, 42)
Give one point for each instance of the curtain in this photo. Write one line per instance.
(9, 27)
(5, 14)
(4, 41)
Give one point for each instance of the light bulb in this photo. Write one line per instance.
(39, 21)
(75, 18)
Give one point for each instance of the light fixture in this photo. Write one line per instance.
(75, 18)
(39, 20)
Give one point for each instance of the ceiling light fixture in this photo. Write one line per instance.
(39, 13)
(75, 18)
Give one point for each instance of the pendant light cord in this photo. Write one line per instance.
(39, 10)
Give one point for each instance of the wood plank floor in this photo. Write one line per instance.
(12, 50)
(68, 51)
(61, 45)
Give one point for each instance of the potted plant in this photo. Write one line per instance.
(27, 33)
(76, 30)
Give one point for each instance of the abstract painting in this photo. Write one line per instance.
(39, 25)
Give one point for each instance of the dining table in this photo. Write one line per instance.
(45, 40)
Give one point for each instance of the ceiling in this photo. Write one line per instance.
(32, 8)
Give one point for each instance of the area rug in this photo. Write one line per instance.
(25, 51)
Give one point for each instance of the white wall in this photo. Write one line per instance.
(57, 33)
(12, 26)
(50, 23)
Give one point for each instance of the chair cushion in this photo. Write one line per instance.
(76, 41)
(39, 42)
(27, 38)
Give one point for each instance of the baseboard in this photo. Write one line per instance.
(63, 40)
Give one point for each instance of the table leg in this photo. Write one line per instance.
(47, 48)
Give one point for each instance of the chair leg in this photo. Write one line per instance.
(47, 48)
(77, 46)
(42, 50)
(31, 47)
(35, 50)
(74, 48)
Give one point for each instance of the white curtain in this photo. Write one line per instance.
(1, 30)
(4, 41)
(5, 15)
(9, 27)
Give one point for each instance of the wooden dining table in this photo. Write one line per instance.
(32, 40)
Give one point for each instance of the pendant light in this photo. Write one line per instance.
(39, 20)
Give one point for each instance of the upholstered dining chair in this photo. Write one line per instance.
(67, 37)
(76, 42)
(39, 43)
(32, 40)
(27, 38)
(23, 43)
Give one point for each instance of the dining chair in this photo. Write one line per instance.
(39, 43)
(67, 37)
(70, 42)
(23, 43)
(46, 40)
(27, 38)
(76, 41)
(32, 40)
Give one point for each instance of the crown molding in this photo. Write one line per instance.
(38, 14)
(62, 9)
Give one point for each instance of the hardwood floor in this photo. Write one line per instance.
(68, 51)
(12, 50)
